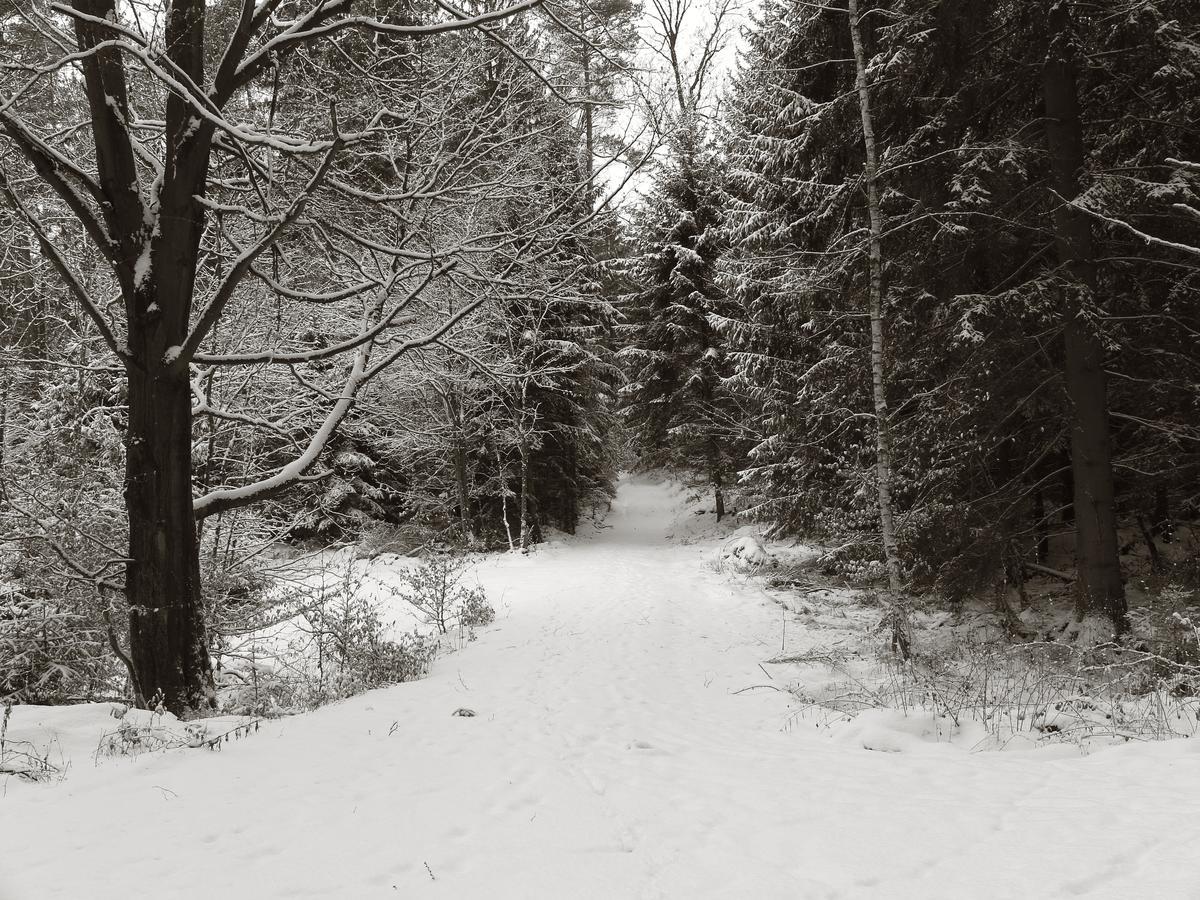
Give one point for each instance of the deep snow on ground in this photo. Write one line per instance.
(611, 756)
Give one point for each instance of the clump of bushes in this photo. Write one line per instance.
(53, 652)
(330, 642)
(437, 588)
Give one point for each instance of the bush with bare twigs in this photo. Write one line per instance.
(314, 645)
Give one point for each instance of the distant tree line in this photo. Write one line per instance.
(988, 211)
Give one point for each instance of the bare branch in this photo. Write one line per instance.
(216, 306)
(60, 263)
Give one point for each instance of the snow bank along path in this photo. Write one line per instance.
(609, 758)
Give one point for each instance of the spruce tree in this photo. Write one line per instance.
(677, 402)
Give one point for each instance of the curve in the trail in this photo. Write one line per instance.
(611, 756)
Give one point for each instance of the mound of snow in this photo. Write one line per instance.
(746, 553)
(893, 731)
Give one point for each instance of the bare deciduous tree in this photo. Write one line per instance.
(185, 181)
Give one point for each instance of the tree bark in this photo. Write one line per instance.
(1100, 585)
(462, 479)
(168, 640)
(897, 619)
(716, 479)
(589, 146)
(462, 486)
(883, 435)
(523, 448)
(156, 259)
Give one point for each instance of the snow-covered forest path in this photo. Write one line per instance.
(610, 757)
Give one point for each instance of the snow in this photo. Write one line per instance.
(141, 268)
(615, 752)
(746, 552)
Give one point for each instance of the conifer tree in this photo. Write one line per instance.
(975, 324)
(676, 401)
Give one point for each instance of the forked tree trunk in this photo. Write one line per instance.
(883, 436)
(1097, 557)
(502, 478)
(168, 642)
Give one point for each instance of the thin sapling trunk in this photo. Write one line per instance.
(883, 437)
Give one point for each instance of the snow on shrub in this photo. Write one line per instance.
(980, 696)
(745, 553)
(436, 588)
(325, 642)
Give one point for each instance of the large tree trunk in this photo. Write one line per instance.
(1100, 585)
(156, 252)
(168, 641)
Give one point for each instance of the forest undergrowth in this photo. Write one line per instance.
(982, 674)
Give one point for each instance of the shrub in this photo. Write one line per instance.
(475, 611)
(328, 643)
(353, 655)
(52, 652)
(436, 588)
(1036, 691)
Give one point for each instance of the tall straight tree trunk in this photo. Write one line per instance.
(1100, 585)
(569, 505)
(462, 487)
(1041, 526)
(523, 448)
(717, 479)
(458, 458)
(883, 431)
(589, 140)
(1161, 520)
(168, 642)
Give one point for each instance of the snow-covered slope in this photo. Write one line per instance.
(610, 756)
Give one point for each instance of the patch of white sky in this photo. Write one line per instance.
(648, 86)
(651, 87)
